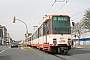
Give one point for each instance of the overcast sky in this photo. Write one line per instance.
(32, 12)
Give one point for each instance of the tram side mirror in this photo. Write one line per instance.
(73, 23)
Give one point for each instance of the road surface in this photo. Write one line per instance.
(35, 54)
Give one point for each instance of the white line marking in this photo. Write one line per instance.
(9, 47)
(2, 51)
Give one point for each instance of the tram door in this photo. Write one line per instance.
(46, 30)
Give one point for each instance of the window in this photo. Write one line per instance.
(41, 30)
(61, 25)
(47, 29)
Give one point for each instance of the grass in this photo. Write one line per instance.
(25, 47)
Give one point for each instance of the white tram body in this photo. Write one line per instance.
(53, 34)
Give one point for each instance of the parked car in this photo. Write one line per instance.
(14, 44)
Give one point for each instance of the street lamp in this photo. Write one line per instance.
(14, 19)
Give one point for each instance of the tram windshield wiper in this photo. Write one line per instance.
(56, 30)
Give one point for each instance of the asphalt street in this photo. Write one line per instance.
(4, 47)
(35, 54)
(21, 54)
(81, 54)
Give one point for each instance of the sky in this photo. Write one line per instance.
(32, 11)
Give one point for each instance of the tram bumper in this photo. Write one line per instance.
(62, 49)
(59, 49)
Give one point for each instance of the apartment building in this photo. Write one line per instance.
(3, 35)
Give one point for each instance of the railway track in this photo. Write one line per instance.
(66, 57)
(61, 56)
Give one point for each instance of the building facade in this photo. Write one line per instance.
(3, 35)
(84, 39)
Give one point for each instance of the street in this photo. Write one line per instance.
(45, 30)
(21, 54)
(81, 54)
(4, 48)
(35, 54)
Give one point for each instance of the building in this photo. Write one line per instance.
(9, 39)
(84, 39)
(3, 35)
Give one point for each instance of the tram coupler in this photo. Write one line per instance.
(63, 50)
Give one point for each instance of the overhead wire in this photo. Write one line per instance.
(62, 6)
(51, 6)
(54, 3)
(78, 17)
(79, 13)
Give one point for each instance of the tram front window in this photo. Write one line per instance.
(61, 25)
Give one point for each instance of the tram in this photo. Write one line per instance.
(53, 34)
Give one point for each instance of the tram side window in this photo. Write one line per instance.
(30, 38)
(35, 35)
(41, 30)
(46, 27)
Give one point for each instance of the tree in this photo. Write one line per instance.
(86, 20)
(82, 26)
(77, 30)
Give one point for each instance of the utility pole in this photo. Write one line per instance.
(14, 20)
(26, 35)
(75, 39)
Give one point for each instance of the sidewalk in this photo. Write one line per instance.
(82, 46)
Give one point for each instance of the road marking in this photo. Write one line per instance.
(9, 47)
(2, 51)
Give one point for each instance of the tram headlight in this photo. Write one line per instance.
(69, 41)
(54, 41)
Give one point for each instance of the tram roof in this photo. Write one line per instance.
(57, 15)
(47, 17)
